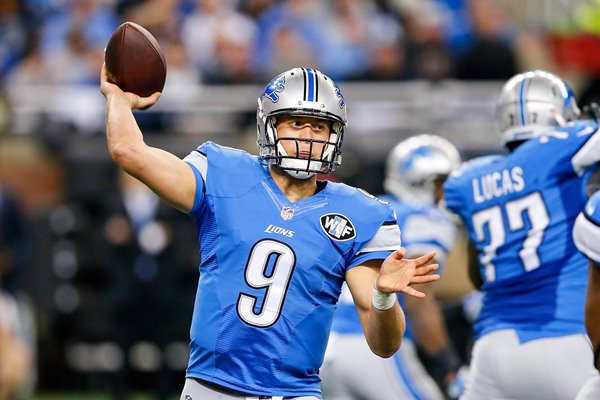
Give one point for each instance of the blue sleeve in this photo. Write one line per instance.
(199, 196)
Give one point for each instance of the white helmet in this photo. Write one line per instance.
(307, 92)
(415, 163)
(531, 103)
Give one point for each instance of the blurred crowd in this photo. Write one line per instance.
(88, 318)
(246, 41)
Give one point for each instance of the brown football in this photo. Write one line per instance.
(134, 60)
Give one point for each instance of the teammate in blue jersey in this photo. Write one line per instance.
(416, 169)
(275, 243)
(519, 211)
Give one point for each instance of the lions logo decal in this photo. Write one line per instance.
(274, 87)
(338, 93)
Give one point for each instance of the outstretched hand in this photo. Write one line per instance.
(136, 102)
(397, 273)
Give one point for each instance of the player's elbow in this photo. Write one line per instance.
(388, 349)
(125, 155)
(387, 353)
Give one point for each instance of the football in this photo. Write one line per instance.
(134, 60)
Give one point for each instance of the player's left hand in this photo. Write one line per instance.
(397, 273)
(110, 90)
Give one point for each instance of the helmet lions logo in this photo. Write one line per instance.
(275, 86)
(338, 93)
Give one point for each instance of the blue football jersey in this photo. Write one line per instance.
(519, 210)
(423, 229)
(271, 271)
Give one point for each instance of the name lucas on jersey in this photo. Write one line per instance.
(498, 184)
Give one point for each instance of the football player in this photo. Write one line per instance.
(416, 169)
(519, 210)
(276, 244)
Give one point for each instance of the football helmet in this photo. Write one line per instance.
(414, 165)
(531, 103)
(305, 92)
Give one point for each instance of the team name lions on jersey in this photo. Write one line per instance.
(498, 184)
(279, 230)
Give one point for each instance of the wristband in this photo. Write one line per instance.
(382, 301)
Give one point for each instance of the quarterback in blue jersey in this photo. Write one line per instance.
(519, 211)
(416, 169)
(275, 243)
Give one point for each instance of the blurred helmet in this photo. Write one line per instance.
(305, 92)
(414, 165)
(531, 103)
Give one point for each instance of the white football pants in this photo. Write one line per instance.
(502, 368)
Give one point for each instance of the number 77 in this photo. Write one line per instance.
(534, 206)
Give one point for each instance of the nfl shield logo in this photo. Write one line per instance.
(287, 213)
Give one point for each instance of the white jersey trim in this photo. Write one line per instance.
(586, 236)
(588, 154)
(387, 238)
(199, 161)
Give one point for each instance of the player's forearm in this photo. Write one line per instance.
(123, 136)
(385, 330)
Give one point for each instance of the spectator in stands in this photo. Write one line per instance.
(490, 55)
(219, 41)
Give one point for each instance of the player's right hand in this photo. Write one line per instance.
(110, 90)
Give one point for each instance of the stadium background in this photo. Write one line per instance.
(85, 281)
